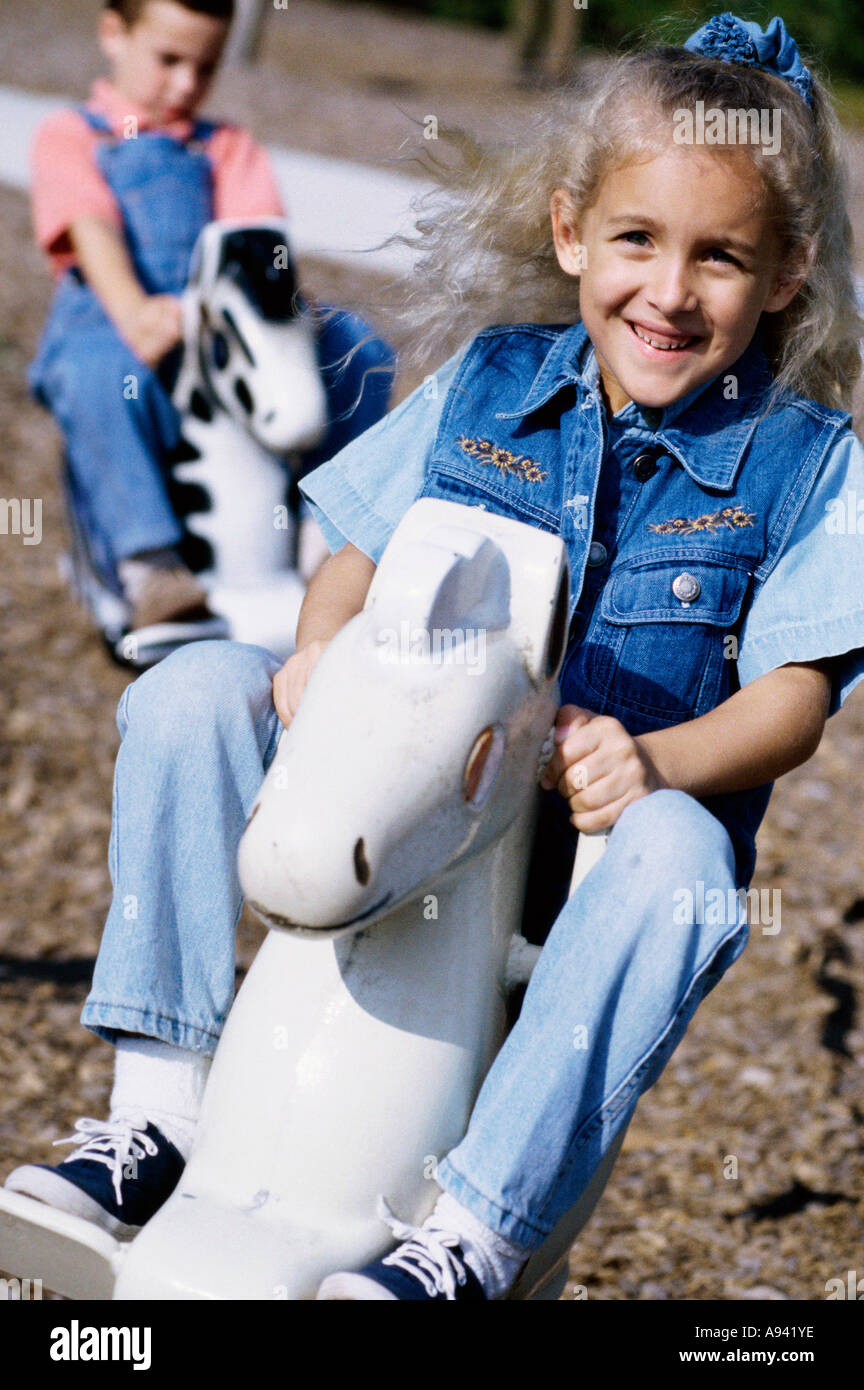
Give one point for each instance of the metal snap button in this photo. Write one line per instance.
(596, 554)
(644, 467)
(686, 587)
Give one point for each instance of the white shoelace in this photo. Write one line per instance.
(112, 1142)
(425, 1253)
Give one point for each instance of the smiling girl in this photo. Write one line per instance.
(676, 285)
(665, 387)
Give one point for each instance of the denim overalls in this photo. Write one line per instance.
(672, 536)
(118, 434)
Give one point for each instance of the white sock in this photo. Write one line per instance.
(133, 571)
(164, 1082)
(492, 1257)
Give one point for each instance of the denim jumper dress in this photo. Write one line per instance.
(116, 413)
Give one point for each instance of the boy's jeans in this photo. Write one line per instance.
(618, 980)
(119, 422)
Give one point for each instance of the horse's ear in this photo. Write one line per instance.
(475, 592)
(450, 566)
(451, 578)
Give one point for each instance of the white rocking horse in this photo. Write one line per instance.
(387, 850)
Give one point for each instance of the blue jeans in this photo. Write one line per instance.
(617, 982)
(118, 422)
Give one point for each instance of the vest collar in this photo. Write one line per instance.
(705, 431)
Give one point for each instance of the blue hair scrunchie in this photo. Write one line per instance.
(742, 41)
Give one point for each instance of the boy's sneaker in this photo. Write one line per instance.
(428, 1266)
(167, 609)
(118, 1177)
(170, 594)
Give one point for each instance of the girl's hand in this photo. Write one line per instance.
(290, 682)
(597, 767)
(154, 327)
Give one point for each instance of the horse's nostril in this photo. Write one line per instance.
(361, 863)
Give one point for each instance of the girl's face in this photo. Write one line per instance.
(677, 262)
(165, 61)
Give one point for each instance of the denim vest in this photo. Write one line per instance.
(672, 518)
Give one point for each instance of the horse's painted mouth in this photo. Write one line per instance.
(275, 919)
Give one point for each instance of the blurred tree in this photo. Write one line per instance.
(547, 36)
(244, 41)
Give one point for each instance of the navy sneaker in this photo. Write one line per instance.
(428, 1266)
(117, 1178)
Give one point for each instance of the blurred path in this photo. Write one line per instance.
(338, 208)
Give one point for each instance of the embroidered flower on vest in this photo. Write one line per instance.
(485, 452)
(730, 517)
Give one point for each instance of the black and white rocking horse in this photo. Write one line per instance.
(266, 389)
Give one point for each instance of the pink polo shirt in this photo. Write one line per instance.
(67, 182)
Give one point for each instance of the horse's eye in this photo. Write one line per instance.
(482, 764)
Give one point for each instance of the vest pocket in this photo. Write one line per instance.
(657, 643)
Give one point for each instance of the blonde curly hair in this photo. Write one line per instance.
(483, 239)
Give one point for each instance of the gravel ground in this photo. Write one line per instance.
(741, 1176)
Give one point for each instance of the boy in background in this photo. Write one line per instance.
(121, 188)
